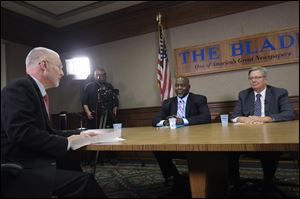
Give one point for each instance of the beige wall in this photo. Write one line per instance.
(15, 55)
(131, 62)
(225, 86)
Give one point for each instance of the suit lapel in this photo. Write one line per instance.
(41, 99)
(188, 106)
(268, 99)
(174, 106)
(251, 103)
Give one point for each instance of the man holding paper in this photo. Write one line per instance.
(188, 109)
(28, 139)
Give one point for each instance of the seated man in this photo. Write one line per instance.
(256, 105)
(29, 140)
(188, 109)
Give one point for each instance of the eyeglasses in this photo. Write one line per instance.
(255, 78)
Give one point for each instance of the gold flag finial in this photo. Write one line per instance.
(158, 18)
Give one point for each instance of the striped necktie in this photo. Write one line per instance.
(46, 100)
(257, 105)
(180, 111)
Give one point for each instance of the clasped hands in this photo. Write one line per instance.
(254, 119)
(179, 121)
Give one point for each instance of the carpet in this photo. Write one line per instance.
(132, 180)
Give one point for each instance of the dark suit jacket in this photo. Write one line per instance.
(197, 111)
(277, 104)
(27, 137)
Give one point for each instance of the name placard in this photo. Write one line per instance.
(264, 49)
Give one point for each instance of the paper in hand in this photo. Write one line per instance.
(103, 135)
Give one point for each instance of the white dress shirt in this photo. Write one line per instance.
(43, 92)
(262, 100)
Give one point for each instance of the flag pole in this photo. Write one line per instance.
(160, 27)
(158, 20)
(163, 72)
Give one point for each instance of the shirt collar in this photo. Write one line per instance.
(263, 93)
(40, 85)
(184, 98)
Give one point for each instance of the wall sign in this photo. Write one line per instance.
(265, 49)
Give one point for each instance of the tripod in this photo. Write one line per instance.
(101, 119)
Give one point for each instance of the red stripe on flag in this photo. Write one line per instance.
(163, 72)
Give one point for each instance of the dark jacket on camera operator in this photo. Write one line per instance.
(100, 97)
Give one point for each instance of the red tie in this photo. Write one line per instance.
(46, 100)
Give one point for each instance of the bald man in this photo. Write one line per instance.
(28, 139)
(188, 109)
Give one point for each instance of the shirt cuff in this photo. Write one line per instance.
(234, 120)
(185, 121)
(69, 145)
(273, 119)
(160, 124)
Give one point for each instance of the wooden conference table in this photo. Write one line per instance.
(206, 146)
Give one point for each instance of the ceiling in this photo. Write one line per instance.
(69, 25)
(62, 13)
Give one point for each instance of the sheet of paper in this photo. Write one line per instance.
(239, 123)
(103, 136)
(177, 126)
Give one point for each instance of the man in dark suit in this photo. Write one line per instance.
(100, 101)
(188, 109)
(100, 104)
(257, 105)
(28, 139)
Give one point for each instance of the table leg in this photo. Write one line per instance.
(95, 164)
(208, 174)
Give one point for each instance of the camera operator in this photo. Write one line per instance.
(100, 102)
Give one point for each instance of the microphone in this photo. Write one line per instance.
(266, 102)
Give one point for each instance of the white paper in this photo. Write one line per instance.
(239, 123)
(104, 136)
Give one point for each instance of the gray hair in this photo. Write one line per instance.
(38, 54)
(262, 70)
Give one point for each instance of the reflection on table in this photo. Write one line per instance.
(207, 145)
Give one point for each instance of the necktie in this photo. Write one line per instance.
(257, 105)
(180, 112)
(46, 100)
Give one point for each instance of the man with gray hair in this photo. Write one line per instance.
(259, 104)
(28, 139)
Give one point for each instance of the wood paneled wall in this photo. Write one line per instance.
(143, 116)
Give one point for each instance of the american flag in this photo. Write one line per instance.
(163, 70)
